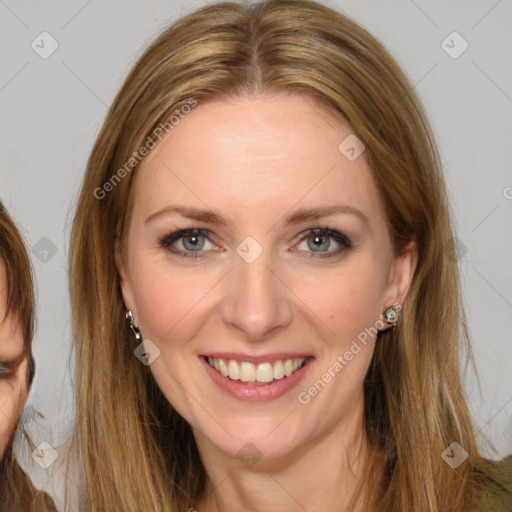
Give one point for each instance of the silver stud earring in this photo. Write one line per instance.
(391, 315)
(133, 327)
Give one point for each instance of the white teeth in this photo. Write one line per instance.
(278, 370)
(233, 370)
(223, 368)
(247, 372)
(263, 372)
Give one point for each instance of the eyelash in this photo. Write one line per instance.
(343, 240)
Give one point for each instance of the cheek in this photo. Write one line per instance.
(6, 409)
(167, 298)
(11, 406)
(346, 300)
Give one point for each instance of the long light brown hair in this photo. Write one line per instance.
(137, 452)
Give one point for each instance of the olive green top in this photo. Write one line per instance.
(497, 496)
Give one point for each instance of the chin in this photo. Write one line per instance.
(257, 438)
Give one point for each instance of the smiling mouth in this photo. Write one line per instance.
(263, 373)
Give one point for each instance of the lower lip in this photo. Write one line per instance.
(257, 393)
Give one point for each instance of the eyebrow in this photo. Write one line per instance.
(295, 217)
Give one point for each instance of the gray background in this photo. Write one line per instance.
(52, 110)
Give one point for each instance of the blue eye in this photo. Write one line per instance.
(193, 241)
(320, 240)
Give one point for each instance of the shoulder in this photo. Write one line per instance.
(497, 494)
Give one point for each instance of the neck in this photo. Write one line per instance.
(321, 475)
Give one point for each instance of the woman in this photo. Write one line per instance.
(17, 367)
(264, 314)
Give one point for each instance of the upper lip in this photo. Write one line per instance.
(263, 358)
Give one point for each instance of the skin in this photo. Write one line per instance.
(13, 388)
(254, 160)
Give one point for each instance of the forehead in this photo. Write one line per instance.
(11, 335)
(253, 156)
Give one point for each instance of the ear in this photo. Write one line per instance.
(124, 277)
(400, 276)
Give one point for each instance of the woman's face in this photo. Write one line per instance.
(13, 370)
(255, 287)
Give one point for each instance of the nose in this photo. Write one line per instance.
(257, 302)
